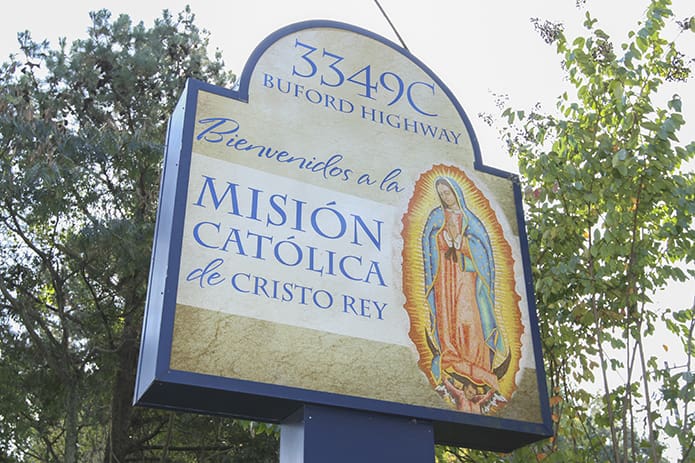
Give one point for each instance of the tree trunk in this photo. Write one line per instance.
(72, 402)
(119, 443)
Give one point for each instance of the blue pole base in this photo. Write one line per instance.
(317, 434)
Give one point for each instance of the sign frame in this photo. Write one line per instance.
(158, 385)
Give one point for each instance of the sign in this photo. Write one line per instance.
(328, 234)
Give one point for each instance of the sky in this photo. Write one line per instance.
(477, 48)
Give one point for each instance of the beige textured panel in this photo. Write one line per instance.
(215, 343)
(524, 406)
(219, 344)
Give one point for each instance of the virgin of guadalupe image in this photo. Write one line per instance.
(469, 352)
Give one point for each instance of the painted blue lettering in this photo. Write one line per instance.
(349, 303)
(316, 98)
(259, 243)
(209, 186)
(196, 233)
(298, 215)
(207, 276)
(211, 134)
(343, 269)
(374, 269)
(233, 237)
(287, 292)
(408, 124)
(303, 291)
(320, 230)
(375, 238)
(236, 286)
(428, 129)
(288, 260)
(259, 285)
(389, 183)
(275, 206)
(380, 309)
(364, 308)
(411, 100)
(443, 134)
(394, 120)
(328, 297)
(330, 101)
(254, 204)
(365, 179)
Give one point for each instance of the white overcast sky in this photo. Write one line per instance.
(476, 47)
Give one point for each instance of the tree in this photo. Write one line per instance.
(81, 144)
(610, 214)
(610, 208)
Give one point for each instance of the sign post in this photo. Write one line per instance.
(315, 433)
(332, 254)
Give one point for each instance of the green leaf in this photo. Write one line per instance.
(675, 103)
(617, 92)
(619, 157)
(601, 34)
(671, 430)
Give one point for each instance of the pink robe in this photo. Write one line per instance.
(463, 347)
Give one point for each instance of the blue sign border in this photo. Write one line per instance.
(159, 386)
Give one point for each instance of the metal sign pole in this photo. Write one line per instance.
(316, 434)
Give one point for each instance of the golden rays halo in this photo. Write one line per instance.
(507, 311)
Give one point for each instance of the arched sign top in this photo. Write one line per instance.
(330, 236)
(389, 46)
